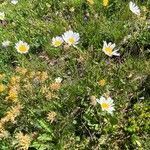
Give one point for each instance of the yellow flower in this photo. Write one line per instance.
(2, 88)
(1, 126)
(12, 95)
(43, 76)
(91, 1)
(31, 74)
(102, 82)
(14, 80)
(21, 70)
(2, 76)
(13, 113)
(44, 89)
(23, 140)
(55, 86)
(4, 134)
(105, 2)
(22, 47)
(51, 116)
(50, 95)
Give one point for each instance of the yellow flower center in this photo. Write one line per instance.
(105, 105)
(71, 40)
(22, 48)
(57, 43)
(108, 50)
(105, 2)
(102, 82)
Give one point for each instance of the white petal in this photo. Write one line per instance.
(14, 2)
(113, 46)
(116, 54)
(58, 80)
(134, 8)
(111, 109)
(109, 44)
(110, 100)
(98, 100)
(102, 99)
(105, 44)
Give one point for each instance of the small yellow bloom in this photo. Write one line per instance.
(23, 141)
(31, 74)
(44, 89)
(55, 86)
(43, 76)
(14, 80)
(51, 116)
(28, 86)
(105, 2)
(4, 134)
(12, 95)
(102, 82)
(2, 88)
(21, 70)
(13, 113)
(50, 95)
(91, 1)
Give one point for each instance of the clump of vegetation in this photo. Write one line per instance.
(74, 74)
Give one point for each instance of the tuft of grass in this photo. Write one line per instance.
(76, 121)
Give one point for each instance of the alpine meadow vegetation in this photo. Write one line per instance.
(74, 75)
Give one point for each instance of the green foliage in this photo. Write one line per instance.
(78, 125)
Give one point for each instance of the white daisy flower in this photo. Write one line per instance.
(58, 80)
(108, 49)
(2, 15)
(14, 2)
(71, 38)
(107, 104)
(134, 8)
(5, 43)
(57, 41)
(22, 47)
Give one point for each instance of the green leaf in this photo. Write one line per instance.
(45, 126)
(113, 120)
(44, 137)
